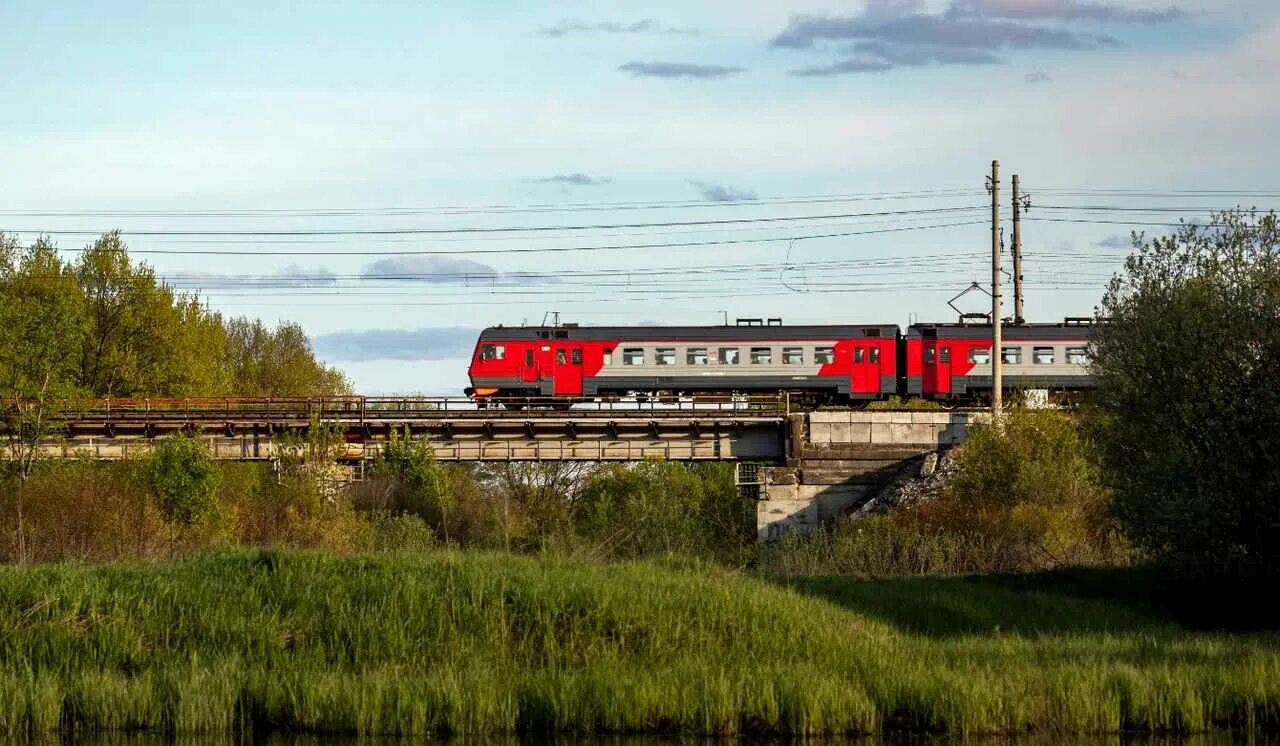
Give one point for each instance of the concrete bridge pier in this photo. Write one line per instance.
(836, 461)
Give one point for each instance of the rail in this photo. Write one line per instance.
(361, 409)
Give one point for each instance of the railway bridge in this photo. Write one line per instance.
(803, 467)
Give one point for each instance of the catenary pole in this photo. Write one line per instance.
(1018, 318)
(997, 357)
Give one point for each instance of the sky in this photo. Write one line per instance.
(397, 175)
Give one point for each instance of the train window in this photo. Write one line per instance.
(493, 352)
(696, 356)
(928, 356)
(729, 355)
(793, 356)
(875, 354)
(871, 332)
(528, 358)
(858, 354)
(1042, 355)
(762, 356)
(561, 358)
(576, 357)
(608, 357)
(664, 356)
(561, 334)
(944, 354)
(1012, 355)
(1078, 355)
(633, 356)
(980, 355)
(824, 355)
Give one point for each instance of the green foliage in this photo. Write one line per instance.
(1032, 485)
(484, 643)
(897, 402)
(1189, 395)
(662, 507)
(107, 326)
(878, 546)
(416, 484)
(185, 478)
(1025, 495)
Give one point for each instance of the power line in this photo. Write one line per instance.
(492, 209)
(509, 229)
(547, 249)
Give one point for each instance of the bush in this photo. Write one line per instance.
(659, 507)
(84, 510)
(877, 546)
(401, 533)
(1190, 397)
(1025, 495)
(1031, 486)
(185, 478)
(414, 483)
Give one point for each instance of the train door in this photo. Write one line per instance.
(936, 368)
(528, 368)
(866, 369)
(873, 368)
(568, 370)
(942, 368)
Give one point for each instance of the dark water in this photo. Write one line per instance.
(1222, 738)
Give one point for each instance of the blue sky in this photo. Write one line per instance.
(258, 117)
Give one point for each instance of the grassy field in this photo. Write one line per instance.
(495, 643)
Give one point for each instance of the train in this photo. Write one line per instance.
(819, 364)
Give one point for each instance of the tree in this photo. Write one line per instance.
(264, 362)
(41, 319)
(1188, 370)
(185, 478)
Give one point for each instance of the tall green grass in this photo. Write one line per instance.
(494, 643)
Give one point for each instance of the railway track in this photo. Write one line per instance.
(364, 409)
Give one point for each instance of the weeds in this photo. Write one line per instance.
(484, 643)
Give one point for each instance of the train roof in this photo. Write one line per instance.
(1012, 332)
(693, 333)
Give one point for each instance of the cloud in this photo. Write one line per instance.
(1115, 242)
(1061, 10)
(889, 34)
(678, 70)
(722, 193)
(291, 276)
(845, 67)
(429, 269)
(436, 343)
(933, 30)
(443, 270)
(878, 56)
(573, 179)
(643, 26)
(1037, 76)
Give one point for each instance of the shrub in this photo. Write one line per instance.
(663, 507)
(1032, 488)
(85, 511)
(1190, 399)
(414, 482)
(185, 478)
(1025, 495)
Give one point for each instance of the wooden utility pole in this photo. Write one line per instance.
(997, 356)
(1018, 318)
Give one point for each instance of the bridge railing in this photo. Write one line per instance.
(375, 408)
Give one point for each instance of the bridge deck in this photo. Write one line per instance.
(706, 428)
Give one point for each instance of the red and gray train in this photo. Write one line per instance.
(840, 363)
